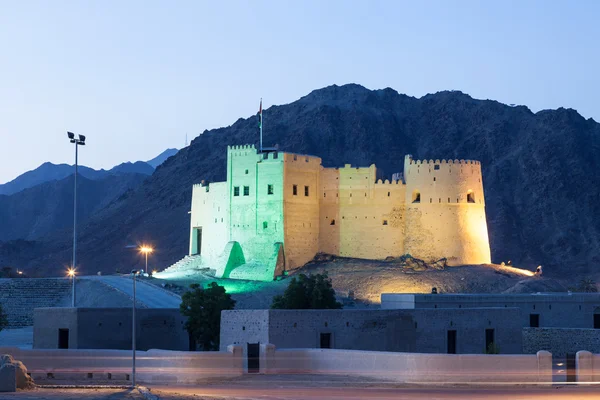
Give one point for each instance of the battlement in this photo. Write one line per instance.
(271, 156)
(302, 159)
(242, 147)
(439, 162)
(387, 182)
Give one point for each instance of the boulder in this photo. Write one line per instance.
(6, 359)
(24, 381)
(8, 378)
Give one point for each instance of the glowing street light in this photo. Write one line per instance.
(146, 250)
(79, 141)
(134, 273)
(71, 272)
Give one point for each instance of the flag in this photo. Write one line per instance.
(259, 114)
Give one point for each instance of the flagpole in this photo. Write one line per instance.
(261, 125)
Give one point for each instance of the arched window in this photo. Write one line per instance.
(416, 196)
(470, 197)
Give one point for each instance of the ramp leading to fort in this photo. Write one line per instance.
(150, 295)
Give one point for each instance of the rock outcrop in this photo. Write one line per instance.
(13, 375)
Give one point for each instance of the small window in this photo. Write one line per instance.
(448, 199)
(265, 156)
(324, 194)
(295, 190)
(436, 167)
(470, 197)
(388, 194)
(434, 178)
(265, 225)
(306, 159)
(246, 172)
(385, 222)
(236, 190)
(269, 189)
(246, 190)
(416, 197)
(275, 156)
(534, 320)
(306, 191)
(430, 200)
(332, 222)
(295, 157)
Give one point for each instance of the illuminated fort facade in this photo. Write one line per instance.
(277, 210)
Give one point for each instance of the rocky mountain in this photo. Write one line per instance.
(45, 173)
(54, 172)
(34, 212)
(162, 157)
(541, 175)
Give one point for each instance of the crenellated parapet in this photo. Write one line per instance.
(242, 147)
(387, 182)
(442, 162)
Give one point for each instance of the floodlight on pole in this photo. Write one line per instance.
(146, 250)
(134, 273)
(71, 272)
(77, 142)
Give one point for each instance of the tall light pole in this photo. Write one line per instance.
(77, 142)
(134, 273)
(71, 273)
(146, 250)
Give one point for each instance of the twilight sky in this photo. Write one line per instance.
(135, 76)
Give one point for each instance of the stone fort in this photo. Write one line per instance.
(277, 210)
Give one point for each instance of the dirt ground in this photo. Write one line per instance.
(359, 283)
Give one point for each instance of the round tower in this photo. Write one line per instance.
(445, 211)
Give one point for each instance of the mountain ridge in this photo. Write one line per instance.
(49, 171)
(539, 169)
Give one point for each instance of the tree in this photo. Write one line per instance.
(203, 308)
(587, 285)
(3, 319)
(307, 292)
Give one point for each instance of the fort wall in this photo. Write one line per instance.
(445, 211)
(269, 198)
(301, 208)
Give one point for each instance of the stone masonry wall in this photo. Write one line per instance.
(20, 296)
(560, 341)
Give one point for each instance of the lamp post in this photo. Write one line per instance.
(80, 141)
(134, 273)
(71, 273)
(146, 250)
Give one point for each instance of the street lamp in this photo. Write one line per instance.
(134, 273)
(146, 250)
(71, 272)
(77, 142)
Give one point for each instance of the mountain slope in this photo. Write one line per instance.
(162, 157)
(45, 173)
(34, 212)
(541, 174)
(54, 172)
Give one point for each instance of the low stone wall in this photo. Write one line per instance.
(560, 341)
(152, 366)
(412, 367)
